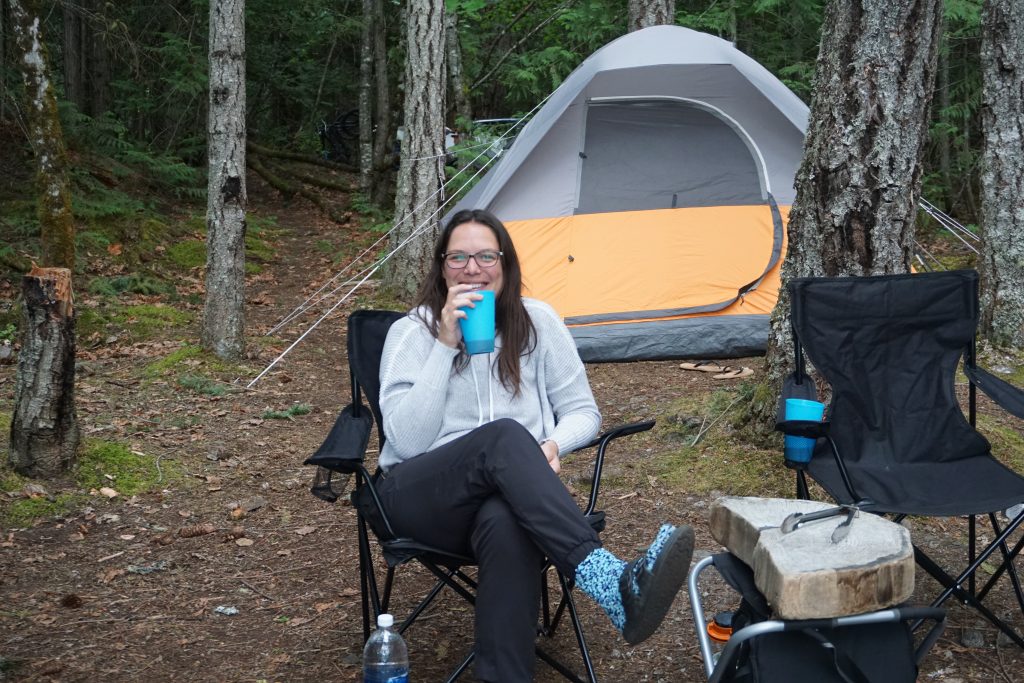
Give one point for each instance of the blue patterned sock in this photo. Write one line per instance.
(598, 576)
(653, 551)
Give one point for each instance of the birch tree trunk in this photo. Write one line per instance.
(421, 172)
(224, 314)
(56, 223)
(44, 426)
(1002, 176)
(644, 13)
(455, 77)
(860, 178)
(365, 101)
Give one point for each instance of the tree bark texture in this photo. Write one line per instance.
(44, 426)
(224, 313)
(421, 173)
(644, 13)
(98, 73)
(366, 101)
(1002, 176)
(859, 181)
(455, 77)
(382, 141)
(56, 223)
(74, 60)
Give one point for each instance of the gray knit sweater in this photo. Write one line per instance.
(426, 402)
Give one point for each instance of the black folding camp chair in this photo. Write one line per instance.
(343, 453)
(895, 440)
(875, 647)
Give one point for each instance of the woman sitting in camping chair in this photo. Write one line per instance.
(471, 459)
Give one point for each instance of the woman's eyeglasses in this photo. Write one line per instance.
(458, 260)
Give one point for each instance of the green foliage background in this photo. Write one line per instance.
(146, 152)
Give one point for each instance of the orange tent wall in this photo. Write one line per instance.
(637, 263)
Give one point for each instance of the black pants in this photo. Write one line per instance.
(491, 494)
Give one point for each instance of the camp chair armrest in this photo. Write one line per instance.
(601, 443)
(1006, 395)
(812, 429)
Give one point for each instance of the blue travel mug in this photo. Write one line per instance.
(478, 325)
(800, 448)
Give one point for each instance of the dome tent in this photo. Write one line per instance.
(647, 197)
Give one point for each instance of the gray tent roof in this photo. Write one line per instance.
(538, 176)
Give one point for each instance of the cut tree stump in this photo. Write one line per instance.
(804, 574)
(44, 427)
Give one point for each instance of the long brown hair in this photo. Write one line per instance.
(511, 320)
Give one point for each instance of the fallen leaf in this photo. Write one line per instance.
(110, 575)
(114, 249)
(244, 541)
(164, 539)
(76, 536)
(127, 537)
(283, 553)
(237, 513)
(305, 531)
(108, 492)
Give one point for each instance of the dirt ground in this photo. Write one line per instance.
(234, 572)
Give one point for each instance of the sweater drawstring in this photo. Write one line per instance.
(490, 392)
(476, 392)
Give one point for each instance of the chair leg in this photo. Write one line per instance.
(577, 627)
(1006, 566)
(462, 667)
(953, 588)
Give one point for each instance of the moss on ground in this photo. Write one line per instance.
(100, 464)
(193, 368)
(116, 465)
(720, 460)
(141, 321)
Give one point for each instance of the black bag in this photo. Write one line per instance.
(870, 653)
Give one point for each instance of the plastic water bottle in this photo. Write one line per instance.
(385, 657)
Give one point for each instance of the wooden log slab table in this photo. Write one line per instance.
(813, 571)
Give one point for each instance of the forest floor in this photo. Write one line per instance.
(227, 569)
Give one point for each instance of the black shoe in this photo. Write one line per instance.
(645, 609)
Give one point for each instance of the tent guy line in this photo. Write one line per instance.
(315, 299)
(420, 230)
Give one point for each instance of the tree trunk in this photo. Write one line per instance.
(859, 181)
(422, 168)
(383, 141)
(3, 60)
(74, 57)
(56, 223)
(98, 75)
(944, 143)
(224, 313)
(365, 101)
(44, 427)
(463, 112)
(644, 13)
(1002, 175)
